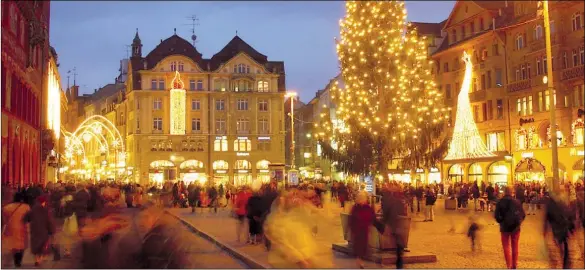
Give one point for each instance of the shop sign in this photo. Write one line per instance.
(220, 171)
(242, 138)
(527, 155)
(242, 154)
(575, 152)
(263, 171)
(263, 138)
(221, 137)
(242, 171)
(434, 170)
(420, 170)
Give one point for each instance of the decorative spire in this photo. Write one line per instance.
(466, 142)
(136, 38)
(177, 83)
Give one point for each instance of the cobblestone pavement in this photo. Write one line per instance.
(453, 248)
(195, 251)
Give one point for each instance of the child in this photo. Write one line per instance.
(472, 232)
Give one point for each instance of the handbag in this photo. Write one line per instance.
(9, 217)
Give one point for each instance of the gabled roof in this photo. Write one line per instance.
(233, 48)
(107, 91)
(171, 46)
(424, 28)
(486, 5)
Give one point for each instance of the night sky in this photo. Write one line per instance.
(92, 36)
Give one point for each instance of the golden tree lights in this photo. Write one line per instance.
(53, 102)
(466, 142)
(389, 94)
(178, 100)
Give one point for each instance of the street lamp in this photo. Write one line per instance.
(291, 96)
(549, 80)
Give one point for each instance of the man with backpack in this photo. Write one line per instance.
(510, 215)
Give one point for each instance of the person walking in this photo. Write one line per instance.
(476, 195)
(392, 215)
(14, 231)
(430, 199)
(213, 200)
(240, 210)
(81, 199)
(561, 221)
(491, 196)
(42, 230)
(193, 195)
(360, 220)
(510, 215)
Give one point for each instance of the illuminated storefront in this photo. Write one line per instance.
(220, 172)
(529, 170)
(420, 176)
(434, 176)
(192, 171)
(578, 169)
(475, 173)
(498, 173)
(242, 173)
(262, 171)
(162, 170)
(455, 173)
(400, 175)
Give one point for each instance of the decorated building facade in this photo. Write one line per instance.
(25, 54)
(509, 100)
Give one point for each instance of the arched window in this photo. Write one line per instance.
(220, 165)
(577, 132)
(456, 173)
(241, 68)
(243, 165)
(519, 42)
(191, 164)
(262, 165)
(475, 173)
(538, 32)
(577, 21)
(498, 173)
(243, 145)
(159, 164)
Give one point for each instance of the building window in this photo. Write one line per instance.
(500, 108)
(264, 145)
(242, 104)
(474, 85)
(498, 77)
(544, 65)
(241, 68)
(456, 63)
(157, 123)
(484, 54)
(547, 100)
(521, 139)
(496, 141)
(445, 67)
(472, 26)
(519, 42)
(519, 106)
(481, 25)
(220, 125)
(220, 145)
(538, 32)
(578, 132)
(476, 113)
(529, 110)
(538, 67)
(528, 71)
(242, 125)
(181, 66)
(495, 49)
(192, 85)
(448, 91)
(490, 110)
(220, 85)
(242, 145)
(157, 105)
(463, 33)
(161, 84)
(540, 101)
(241, 86)
(517, 76)
(263, 126)
(576, 21)
(173, 66)
(153, 85)
(454, 36)
(263, 86)
(200, 85)
(263, 105)
(220, 105)
(582, 54)
(195, 105)
(196, 124)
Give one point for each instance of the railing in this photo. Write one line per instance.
(519, 85)
(571, 73)
(477, 96)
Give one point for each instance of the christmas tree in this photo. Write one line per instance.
(389, 106)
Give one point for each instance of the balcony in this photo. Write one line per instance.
(539, 44)
(572, 73)
(477, 96)
(519, 86)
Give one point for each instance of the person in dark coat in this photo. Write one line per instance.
(194, 196)
(510, 215)
(342, 194)
(254, 209)
(270, 194)
(360, 221)
(42, 228)
(213, 199)
(392, 210)
(81, 201)
(561, 221)
(491, 196)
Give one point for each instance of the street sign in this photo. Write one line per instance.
(293, 177)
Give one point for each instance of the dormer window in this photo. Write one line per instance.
(181, 66)
(173, 66)
(241, 68)
(453, 36)
(519, 42)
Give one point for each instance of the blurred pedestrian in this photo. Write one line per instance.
(70, 226)
(360, 220)
(393, 217)
(473, 232)
(14, 230)
(430, 199)
(240, 211)
(510, 215)
(42, 231)
(254, 214)
(561, 221)
(81, 199)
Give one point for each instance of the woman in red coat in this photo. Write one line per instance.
(360, 221)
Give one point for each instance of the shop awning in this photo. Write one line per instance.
(529, 165)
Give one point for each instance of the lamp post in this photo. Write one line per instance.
(549, 81)
(291, 96)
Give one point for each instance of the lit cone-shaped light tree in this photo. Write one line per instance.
(389, 106)
(466, 142)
